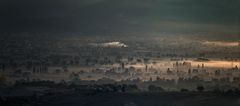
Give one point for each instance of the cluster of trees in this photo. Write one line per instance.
(105, 88)
(201, 89)
(34, 83)
(114, 87)
(153, 88)
(90, 87)
(2, 79)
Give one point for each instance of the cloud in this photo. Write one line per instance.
(114, 16)
(110, 45)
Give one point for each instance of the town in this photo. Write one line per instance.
(83, 62)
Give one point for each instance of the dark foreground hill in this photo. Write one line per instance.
(124, 99)
(46, 93)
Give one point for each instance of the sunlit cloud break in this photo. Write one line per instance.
(218, 43)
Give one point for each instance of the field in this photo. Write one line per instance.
(131, 99)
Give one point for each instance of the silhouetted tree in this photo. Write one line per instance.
(153, 88)
(217, 91)
(2, 79)
(200, 88)
(184, 90)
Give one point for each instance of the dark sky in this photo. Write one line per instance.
(121, 16)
